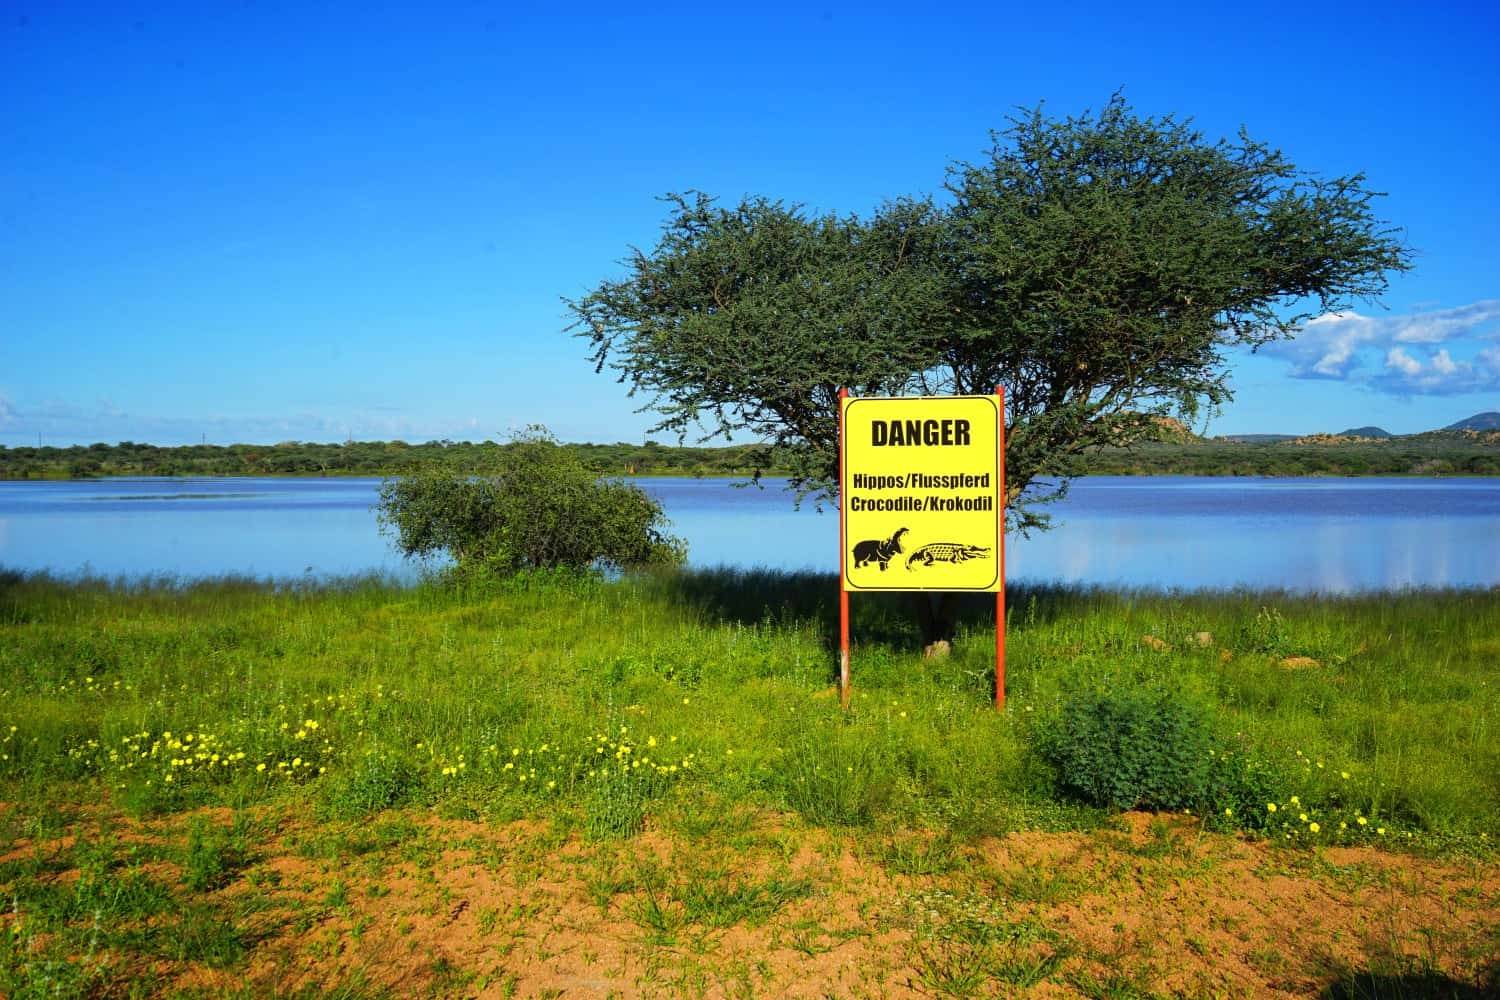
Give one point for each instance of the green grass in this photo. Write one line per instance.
(607, 702)
(58, 930)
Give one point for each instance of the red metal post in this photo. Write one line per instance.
(843, 590)
(1000, 594)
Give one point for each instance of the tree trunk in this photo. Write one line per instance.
(937, 617)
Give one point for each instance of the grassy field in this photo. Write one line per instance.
(565, 786)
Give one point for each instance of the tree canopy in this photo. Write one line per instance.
(1098, 267)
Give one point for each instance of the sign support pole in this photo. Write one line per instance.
(1000, 593)
(960, 450)
(843, 593)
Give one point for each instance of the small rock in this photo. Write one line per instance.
(1299, 662)
(1154, 643)
(1203, 639)
(937, 651)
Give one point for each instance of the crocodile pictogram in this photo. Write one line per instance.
(948, 552)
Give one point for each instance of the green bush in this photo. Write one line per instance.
(1130, 749)
(537, 508)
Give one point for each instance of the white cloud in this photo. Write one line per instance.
(1398, 360)
(1349, 347)
(1439, 375)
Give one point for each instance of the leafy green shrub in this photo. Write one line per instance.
(1130, 749)
(537, 508)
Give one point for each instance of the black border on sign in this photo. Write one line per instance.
(844, 475)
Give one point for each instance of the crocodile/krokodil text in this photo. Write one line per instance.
(983, 501)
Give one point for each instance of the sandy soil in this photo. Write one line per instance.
(421, 906)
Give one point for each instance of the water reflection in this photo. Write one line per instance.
(1312, 553)
(1326, 535)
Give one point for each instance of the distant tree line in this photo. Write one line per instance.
(357, 458)
(1433, 454)
(1418, 455)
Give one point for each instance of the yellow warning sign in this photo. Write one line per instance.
(920, 496)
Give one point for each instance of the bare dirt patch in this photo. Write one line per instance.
(415, 905)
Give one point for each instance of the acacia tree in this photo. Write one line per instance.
(1098, 267)
(750, 320)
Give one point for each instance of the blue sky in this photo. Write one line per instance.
(252, 222)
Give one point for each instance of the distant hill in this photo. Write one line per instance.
(1169, 430)
(1487, 421)
(1348, 437)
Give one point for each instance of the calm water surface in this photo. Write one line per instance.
(1331, 535)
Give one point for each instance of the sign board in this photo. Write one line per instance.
(921, 493)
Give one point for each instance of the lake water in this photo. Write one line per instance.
(1328, 535)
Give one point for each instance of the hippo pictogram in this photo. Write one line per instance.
(876, 551)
